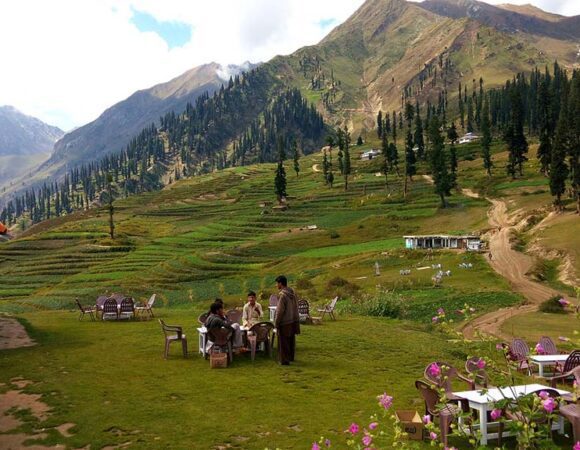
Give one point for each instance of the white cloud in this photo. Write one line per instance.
(65, 61)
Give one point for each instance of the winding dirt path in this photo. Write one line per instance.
(13, 334)
(513, 266)
(316, 168)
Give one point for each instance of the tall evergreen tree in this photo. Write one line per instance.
(486, 138)
(280, 181)
(438, 162)
(296, 158)
(574, 149)
(380, 124)
(394, 128)
(545, 122)
(385, 154)
(470, 128)
(558, 168)
(346, 162)
(514, 136)
(461, 108)
(325, 167)
(410, 161)
(418, 136)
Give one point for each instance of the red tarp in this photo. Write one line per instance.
(3, 229)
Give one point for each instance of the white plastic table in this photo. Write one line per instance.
(483, 402)
(272, 310)
(547, 360)
(202, 332)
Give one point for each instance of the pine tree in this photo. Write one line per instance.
(461, 108)
(469, 115)
(359, 141)
(514, 136)
(486, 138)
(296, 158)
(393, 157)
(409, 113)
(325, 167)
(453, 165)
(346, 161)
(410, 161)
(574, 149)
(111, 208)
(438, 162)
(418, 136)
(385, 153)
(380, 124)
(545, 122)
(558, 168)
(394, 128)
(280, 181)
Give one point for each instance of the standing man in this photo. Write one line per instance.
(287, 321)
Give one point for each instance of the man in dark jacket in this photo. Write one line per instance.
(287, 321)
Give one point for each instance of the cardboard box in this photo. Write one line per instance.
(411, 423)
(218, 360)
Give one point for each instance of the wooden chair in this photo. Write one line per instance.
(480, 377)
(110, 309)
(572, 413)
(127, 310)
(234, 315)
(304, 311)
(518, 353)
(202, 318)
(168, 331)
(445, 414)
(261, 333)
(329, 309)
(90, 310)
(221, 338)
(147, 308)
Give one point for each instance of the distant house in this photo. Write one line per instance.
(467, 138)
(3, 229)
(370, 154)
(467, 242)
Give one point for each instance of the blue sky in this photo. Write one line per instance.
(175, 33)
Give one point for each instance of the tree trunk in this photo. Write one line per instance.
(405, 188)
(346, 183)
(443, 202)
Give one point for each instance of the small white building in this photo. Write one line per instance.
(467, 242)
(467, 138)
(370, 154)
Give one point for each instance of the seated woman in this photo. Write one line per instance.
(217, 319)
(252, 312)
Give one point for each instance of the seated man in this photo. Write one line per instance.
(252, 311)
(218, 319)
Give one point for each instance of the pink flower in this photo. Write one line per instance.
(373, 425)
(549, 405)
(386, 401)
(577, 446)
(495, 414)
(498, 346)
(450, 448)
(563, 302)
(426, 419)
(434, 370)
(435, 319)
(441, 311)
(367, 440)
(539, 349)
(543, 395)
(481, 363)
(315, 446)
(327, 443)
(433, 435)
(575, 384)
(354, 428)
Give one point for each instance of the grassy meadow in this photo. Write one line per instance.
(206, 237)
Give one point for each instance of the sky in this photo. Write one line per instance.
(66, 61)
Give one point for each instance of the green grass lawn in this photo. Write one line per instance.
(111, 381)
(533, 326)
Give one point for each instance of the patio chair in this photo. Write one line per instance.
(261, 333)
(202, 318)
(168, 331)
(480, 377)
(234, 315)
(127, 310)
(445, 414)
(572, 413)
(329, 309)
(221, 338)
(147, 308)
(304, 311)
(541, 418)
(518, 353)
(110, 309)
(448, 374)
(273, 301)
(90, 310)
(570, 370)
(548, 345)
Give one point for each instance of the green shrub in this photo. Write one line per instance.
(334, 235)
(381, 304)
(340, 287)
(553, 306)
(304, 284)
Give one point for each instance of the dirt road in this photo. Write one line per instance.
(513, 266)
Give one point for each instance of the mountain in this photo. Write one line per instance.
(25, 135)
(113, 129)
(392, 50)
(25, 142)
